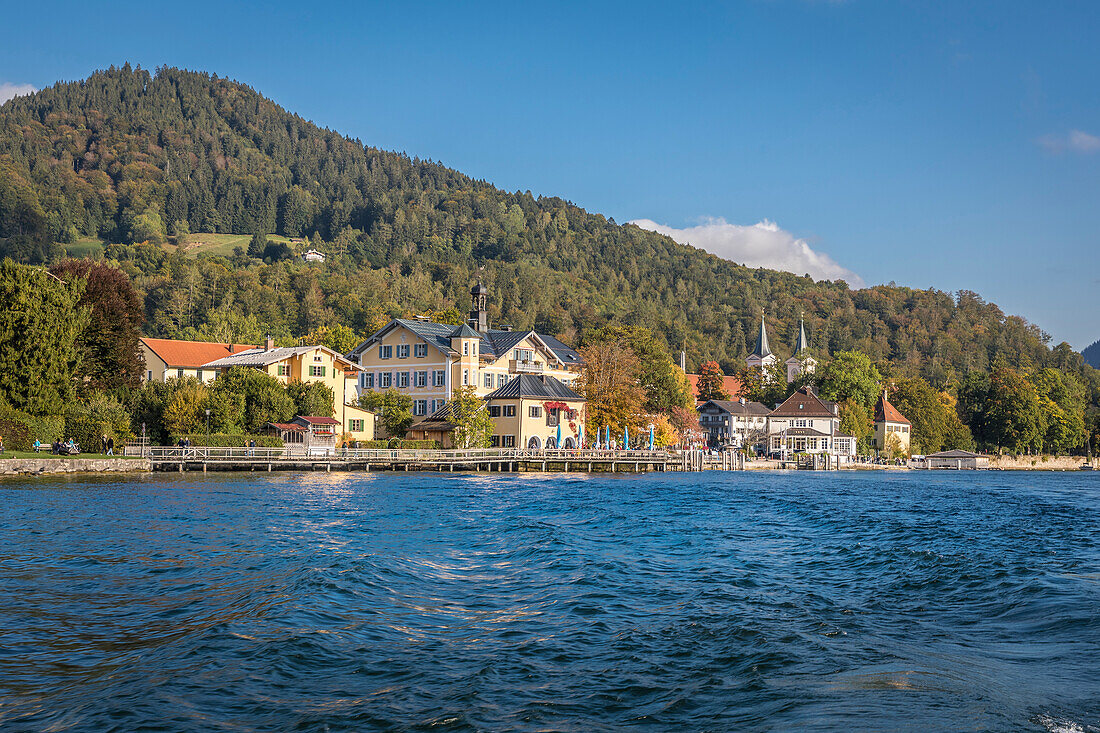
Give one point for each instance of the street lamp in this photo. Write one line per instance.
(207, 423)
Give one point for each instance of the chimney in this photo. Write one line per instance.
(269, 344)
(742, 400)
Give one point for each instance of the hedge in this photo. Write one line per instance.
(19, 429)
(14, 435)
(228, 440)
(399, 443)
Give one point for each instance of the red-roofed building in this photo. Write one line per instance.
(730, 385)
(168, 358)
(889, 422)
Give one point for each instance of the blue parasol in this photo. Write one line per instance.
(626, 438)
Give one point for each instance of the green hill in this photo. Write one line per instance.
(127, 155)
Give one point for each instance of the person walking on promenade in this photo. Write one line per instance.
(251, 447)
(111, 446)
(103, 444)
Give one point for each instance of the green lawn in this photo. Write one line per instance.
(86, 247)
(47, 454)
(213, 244)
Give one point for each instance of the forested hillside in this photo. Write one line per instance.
(1092, 354)
(140, 161)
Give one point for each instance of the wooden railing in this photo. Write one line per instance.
(202, 453)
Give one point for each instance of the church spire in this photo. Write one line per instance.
(802, 344)
(762, 348)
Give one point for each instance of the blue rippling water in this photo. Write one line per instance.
(712, 601)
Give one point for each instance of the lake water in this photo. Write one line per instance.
(716, 601)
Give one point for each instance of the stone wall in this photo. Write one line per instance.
(1039, 463)
(42, 466)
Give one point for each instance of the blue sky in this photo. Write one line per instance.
(952, 145)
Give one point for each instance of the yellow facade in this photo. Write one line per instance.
(883, 431)
(527, 423)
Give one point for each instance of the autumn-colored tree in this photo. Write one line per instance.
(933, 418)
(855, 420)
(709, 386)
(664, 383)
(109, 352)
(186, 409)
(609, 383)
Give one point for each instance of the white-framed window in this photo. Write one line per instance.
(524, 354)
(466, 347)
(385, 380)
(421, 407)
(403, 380)
(198, 374)
(179, 373)
(494, 410)
(317, 357)
(502, 379)
(420, 351)
(402, 351)
(439, 378)
(488, 380)
(385, 352)
(368, 380)
(465, 376)
(316, 371)
(421, 379)
(534, 411)
(507, 441)
(436, 405)
(283, 370)
(509, 410)
(355, 426)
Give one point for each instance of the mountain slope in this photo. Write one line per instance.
(125, 155)
(1091, 354)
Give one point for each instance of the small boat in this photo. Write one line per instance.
(1087, 467)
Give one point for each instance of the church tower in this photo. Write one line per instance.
(762, 355)
(479, 310)
(801, 362)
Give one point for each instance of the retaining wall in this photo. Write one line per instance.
(1039, 463)
(42, 466)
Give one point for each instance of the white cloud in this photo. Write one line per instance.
(9, 90)
(760, 245)
(1074, 141)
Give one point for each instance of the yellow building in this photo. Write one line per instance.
(428, 360)
(170, 359)
(309, 364)
(536, 412)
(889, 422)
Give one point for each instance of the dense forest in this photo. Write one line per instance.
(140, 161)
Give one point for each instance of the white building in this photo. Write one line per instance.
(805, 423)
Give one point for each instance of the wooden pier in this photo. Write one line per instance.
(494, 460)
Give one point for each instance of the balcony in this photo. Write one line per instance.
(517, 366)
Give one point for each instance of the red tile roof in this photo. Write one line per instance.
(885, 412)
(318, 420)
(192, 354)
(288, 426)
(730, 385)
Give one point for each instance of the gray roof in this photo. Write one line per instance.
(465, 332)
(534, 386)
(734, 407)
(953, 454)
(762, 349)
(494, 342)
(259, 357)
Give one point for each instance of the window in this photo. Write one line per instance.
(420, 351)
(466, 347)
(509, 411)
(420, 407)
(534, 411)
(317, 357)
(436, 404)
(403, 380)
(439, 378)
(494, 410)
(552, 416)
(488, 380)
(524, 354)
(421, 379)
(149, 376)
(507, 441)
(179, 373)
(355, 426)
(316, 371)
(494, 441)
(385, 380)
(502, 379)
(385, 352)
(402, 351)
(465, 376)
(198, 374)
(282, 370)
(368, 381)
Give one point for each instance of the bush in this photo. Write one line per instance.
(393, 443)
(228, 440)
(46, 429)
(15, 435)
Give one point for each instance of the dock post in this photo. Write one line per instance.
(269, 468)
(328, 468)
(204, 466)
